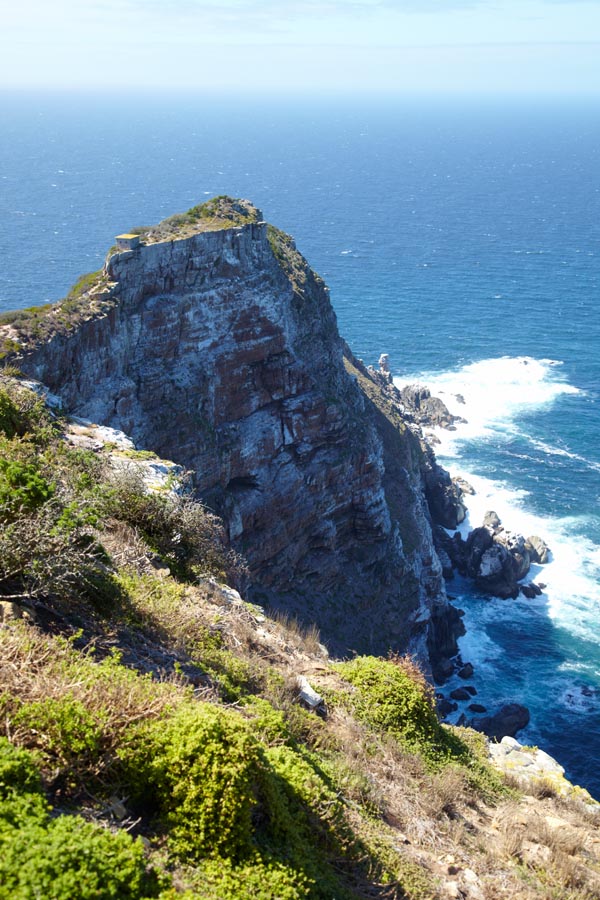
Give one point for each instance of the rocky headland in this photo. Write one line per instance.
(214, 344)
(163, 737)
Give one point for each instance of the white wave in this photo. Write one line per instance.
(495, 392)
(552, 450)
(491, 394)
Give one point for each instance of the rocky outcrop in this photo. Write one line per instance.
(426, 409)
(496, 559)
(216, 346)
(509, 720)
(538, 549)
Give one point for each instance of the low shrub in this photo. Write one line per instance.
(221, 794)
(255, 880)
(18, 771)
(61, 858)
(199, 768)
(391, 697)
(22, 488)
(189, 537)
(21, 410)
(63, 729)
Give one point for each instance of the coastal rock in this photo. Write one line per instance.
(509, 720)
(426, 409)
(445, 628)
(444, 706)
(497, 573)
(537, 549)
(446, 562)
(444, 497)
(478, 542)
(466, 671)
(494, 558)
(460, 694)
(463, 485)
(218, 348)
(531, 590)
(491, 520)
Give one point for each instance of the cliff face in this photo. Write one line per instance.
(219, 350)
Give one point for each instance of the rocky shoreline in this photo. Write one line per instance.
(494, 559)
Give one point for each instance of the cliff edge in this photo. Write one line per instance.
(214, 344)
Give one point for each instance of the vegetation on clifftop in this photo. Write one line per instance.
(91, 296)
(153, 743)
(88, 297)
(212, 215)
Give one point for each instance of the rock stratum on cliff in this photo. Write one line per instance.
(214, 344)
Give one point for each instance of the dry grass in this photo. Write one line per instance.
(37, 669)
(304, 638)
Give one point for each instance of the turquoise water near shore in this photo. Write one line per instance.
(461, 239)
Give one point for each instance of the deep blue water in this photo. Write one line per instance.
(461, 238)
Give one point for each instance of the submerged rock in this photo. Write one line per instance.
(509, 720)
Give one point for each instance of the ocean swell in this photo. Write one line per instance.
(543, 653)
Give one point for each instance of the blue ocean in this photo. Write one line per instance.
(461, 237)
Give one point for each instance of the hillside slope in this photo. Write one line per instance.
(162, 738)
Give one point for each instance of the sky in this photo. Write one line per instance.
(545, 47)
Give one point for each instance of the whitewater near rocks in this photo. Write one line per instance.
(542, 652)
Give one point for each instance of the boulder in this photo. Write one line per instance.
(426, 410)
(497, 573)
(444, 498)
(537, 549)
(530, 590)
(491, 520)
(478, 541)
(466, 671)
(463, 484)
(477, 708)
(460, 694)
(445, 706)
(515, 544)
(507, 721)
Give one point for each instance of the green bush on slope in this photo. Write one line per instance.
(221, 794)
(62, 858)
(391, 696)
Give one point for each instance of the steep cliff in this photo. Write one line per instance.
(214, 344)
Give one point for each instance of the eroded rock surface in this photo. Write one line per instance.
(219, 350)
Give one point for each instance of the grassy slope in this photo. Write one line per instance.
(153, 740)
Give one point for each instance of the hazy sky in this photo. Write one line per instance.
(549, 46)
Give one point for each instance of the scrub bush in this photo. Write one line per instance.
(199, 768)
(62, 858)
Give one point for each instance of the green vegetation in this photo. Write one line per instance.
(392, 696)
(152, 742)
(55, 502)
(40, 323)
(63, 857)
(213, 215)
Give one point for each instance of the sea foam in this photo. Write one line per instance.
(523, 650)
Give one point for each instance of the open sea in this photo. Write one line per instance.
(460, 237)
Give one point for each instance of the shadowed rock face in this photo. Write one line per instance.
(220, 351)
